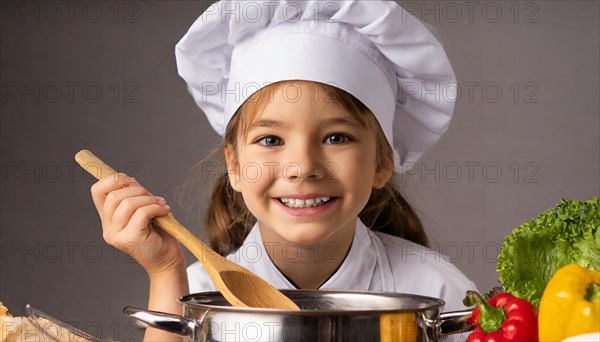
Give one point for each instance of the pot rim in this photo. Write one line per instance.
(427, 302)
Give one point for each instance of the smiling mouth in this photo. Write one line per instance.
(305, 203)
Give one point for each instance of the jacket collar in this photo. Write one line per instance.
(355, 273)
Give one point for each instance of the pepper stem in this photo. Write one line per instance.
(592, 293)
(490, 318)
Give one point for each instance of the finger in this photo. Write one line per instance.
(141, 218)
(127, 207)
(114, 199)
(105, 185)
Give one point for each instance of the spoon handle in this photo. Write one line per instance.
(97, 168)
(240, 287)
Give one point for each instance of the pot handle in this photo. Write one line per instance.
(455, 322)
(160, 320)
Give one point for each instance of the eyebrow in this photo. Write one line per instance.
(268, 123)
(342, 121)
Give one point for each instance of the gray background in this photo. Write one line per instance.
(525, 134)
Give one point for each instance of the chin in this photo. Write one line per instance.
(306, 237)
(307, 233)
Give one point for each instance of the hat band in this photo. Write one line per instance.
(310, 57)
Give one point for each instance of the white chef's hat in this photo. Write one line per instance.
(375, 50)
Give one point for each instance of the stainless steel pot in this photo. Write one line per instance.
(325, 316)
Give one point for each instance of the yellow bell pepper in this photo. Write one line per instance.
(570, 305)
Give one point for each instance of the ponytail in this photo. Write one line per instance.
(228, 221)
(388, 212)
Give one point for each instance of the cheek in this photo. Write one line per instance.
(357, 163)
(254, 176)
(251, 173)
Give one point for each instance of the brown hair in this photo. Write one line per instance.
(228, 221)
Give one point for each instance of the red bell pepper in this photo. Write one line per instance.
(503, 317)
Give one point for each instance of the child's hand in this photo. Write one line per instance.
(126, 208)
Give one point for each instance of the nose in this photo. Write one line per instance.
(305, 162)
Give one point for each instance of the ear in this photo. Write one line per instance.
(382, 175)
(233, 169)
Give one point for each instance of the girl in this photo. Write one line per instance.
(319, 103)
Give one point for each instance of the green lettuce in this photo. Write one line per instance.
(565, 234)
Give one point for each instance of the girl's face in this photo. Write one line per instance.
(306, 166)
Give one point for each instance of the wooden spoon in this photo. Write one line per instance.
(238, 285)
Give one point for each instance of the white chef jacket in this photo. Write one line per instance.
(376, 262)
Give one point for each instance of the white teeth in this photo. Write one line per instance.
(308, 203)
